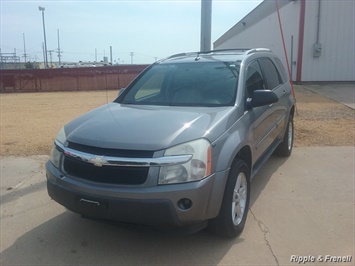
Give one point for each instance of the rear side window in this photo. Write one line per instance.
(281, 69)
(271, 74)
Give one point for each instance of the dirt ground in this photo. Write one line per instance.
(29, 122)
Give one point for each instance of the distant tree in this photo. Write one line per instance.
(29, 65)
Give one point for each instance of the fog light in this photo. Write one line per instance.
(185, 204)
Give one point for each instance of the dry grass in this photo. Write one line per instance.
(30, 121)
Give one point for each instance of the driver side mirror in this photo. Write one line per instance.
(261, 98)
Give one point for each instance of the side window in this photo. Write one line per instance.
(281, 69)
(271, 74)
(254, 79)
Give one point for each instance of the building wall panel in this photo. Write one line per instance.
(336, 35)
(267, 34)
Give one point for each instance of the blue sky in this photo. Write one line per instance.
(150, 29)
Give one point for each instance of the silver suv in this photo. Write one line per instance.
(180, 145)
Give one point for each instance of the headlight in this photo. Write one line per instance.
(55, 156)
(197, 168)
(55, 153)
(61, 136)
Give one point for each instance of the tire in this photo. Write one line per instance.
(235, 204)
(285, 147)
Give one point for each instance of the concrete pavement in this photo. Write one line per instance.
(340, 92)
(301, 206)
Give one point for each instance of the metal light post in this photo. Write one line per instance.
(40, 8)
(206, 21)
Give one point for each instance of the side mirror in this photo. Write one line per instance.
(261, 98)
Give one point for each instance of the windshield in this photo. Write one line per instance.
(185, 84)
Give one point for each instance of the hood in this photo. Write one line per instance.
(134, 127)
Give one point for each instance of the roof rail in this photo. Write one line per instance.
(245, 50)
(225, 50)
(258, 50)
(177, 55)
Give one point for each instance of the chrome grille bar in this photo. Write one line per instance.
(101, 160)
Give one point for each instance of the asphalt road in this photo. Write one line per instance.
(300, 206)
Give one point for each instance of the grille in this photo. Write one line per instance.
(111, 152)
(106, 174)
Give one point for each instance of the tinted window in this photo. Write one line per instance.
(254, 79)
(186, 84)
(271, 75)
(281, 69)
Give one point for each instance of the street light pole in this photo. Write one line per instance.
(206, 21)
(40, 8)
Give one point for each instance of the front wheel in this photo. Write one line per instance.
(234, 209)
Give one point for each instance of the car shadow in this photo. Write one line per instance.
(68, 239)
(260, 181)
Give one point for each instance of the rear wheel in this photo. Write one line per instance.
(285, 147)
(233, 213)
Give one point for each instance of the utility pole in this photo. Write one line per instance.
(111, 54)
(24, 48)
(95, 55)
(59, 51)
(50, 56)
(131, 54)
(40, 8)
(44, 57)
(206, 18)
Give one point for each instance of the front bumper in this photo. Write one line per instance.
(148, 205)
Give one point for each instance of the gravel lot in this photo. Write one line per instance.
(30, 121)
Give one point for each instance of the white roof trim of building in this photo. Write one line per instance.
(263, 10)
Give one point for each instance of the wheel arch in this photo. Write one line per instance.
(245, 155)
(292, 111)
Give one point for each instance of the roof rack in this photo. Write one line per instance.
(245, 50)
(225, 50)
(255, 50)
(177, 55)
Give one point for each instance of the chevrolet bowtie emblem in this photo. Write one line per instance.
(98, 161)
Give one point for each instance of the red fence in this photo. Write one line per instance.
(68, 79)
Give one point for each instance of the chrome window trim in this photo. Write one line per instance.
(99, 161)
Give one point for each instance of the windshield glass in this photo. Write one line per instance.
(185, 84)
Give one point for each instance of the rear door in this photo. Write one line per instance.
(274, 82)
(261, 118)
